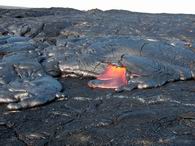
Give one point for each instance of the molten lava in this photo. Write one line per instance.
(112, 77)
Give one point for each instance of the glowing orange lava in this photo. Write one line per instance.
(112, 77)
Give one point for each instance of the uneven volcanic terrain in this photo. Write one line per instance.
(48, 57)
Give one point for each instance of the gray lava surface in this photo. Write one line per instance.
(47, 57)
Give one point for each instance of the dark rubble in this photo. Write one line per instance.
(73, 113)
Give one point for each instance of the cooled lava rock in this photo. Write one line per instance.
(52, 55)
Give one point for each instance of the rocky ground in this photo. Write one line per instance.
(85, 116)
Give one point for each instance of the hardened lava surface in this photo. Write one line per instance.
(48, 56)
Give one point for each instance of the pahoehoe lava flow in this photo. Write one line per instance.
(36, 50)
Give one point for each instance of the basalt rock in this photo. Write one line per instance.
(44, 43)
(41, 50)
(154, 61)
(74, 51)
(23, 82)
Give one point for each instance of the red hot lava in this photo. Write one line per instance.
(112, 77)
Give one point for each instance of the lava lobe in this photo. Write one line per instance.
(112, 77)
